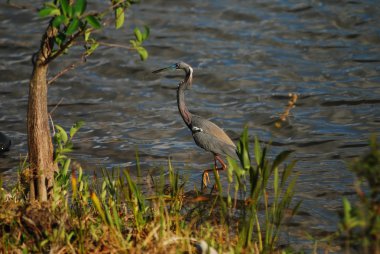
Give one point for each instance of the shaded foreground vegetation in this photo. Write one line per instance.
(112, 214)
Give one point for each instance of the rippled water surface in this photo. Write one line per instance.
(247, 57)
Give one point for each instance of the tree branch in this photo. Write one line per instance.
(113, 45)
(66, 69)
(21, 6)
(62, 49)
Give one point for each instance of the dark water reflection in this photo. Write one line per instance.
(247, 56)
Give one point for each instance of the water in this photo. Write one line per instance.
(247, 56)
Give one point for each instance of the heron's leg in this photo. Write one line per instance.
(205, 175)
(224, 166)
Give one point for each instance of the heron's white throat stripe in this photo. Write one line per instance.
(195, 129)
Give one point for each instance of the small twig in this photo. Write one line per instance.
(52, 124)
(83, 60)
(114, 45)
(51, 112)
(68, 68)
(55, 107)
(20, 6)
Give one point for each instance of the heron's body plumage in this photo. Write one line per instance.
(212, 138)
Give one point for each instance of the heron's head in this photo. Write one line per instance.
(182, 66)
(178, 66)
(186, 83)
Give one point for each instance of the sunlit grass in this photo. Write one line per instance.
(112, 214)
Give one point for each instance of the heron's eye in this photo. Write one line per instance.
(177, 66)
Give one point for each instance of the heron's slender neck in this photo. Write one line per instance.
(186, 83)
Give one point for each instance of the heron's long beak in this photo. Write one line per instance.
(164, 69)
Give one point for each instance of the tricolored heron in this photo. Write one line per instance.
(206, 134)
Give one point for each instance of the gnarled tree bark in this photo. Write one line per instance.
(40, 147)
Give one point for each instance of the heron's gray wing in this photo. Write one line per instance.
(216, 146)
(211, 137)
(211, 128)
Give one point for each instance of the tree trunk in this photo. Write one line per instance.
(41, 161)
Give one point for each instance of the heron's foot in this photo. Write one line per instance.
(205, 179)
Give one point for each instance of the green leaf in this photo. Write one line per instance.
(49, 12)
(59, 20)
(91, 49)
(275, 182)
(119, 17)
(61, 134)
(146, 33)
(66, 150)
(287, 171)
(58, 41)
(296, 207)
(80, 7)
(243, 150)
(281, 158)
(66, 166)
(75, 128)
(116, 218)
(108, 215)
(60, 38)
(93, 21)
(98, 206)
(346, 211)
(73, 27)
(133, 43)
(70, 13)
(87, 34)
(258, 152)
(143, 53)
(138, 34)
(51, 5)
(65, 8)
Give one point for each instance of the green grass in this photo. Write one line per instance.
(112, 214)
